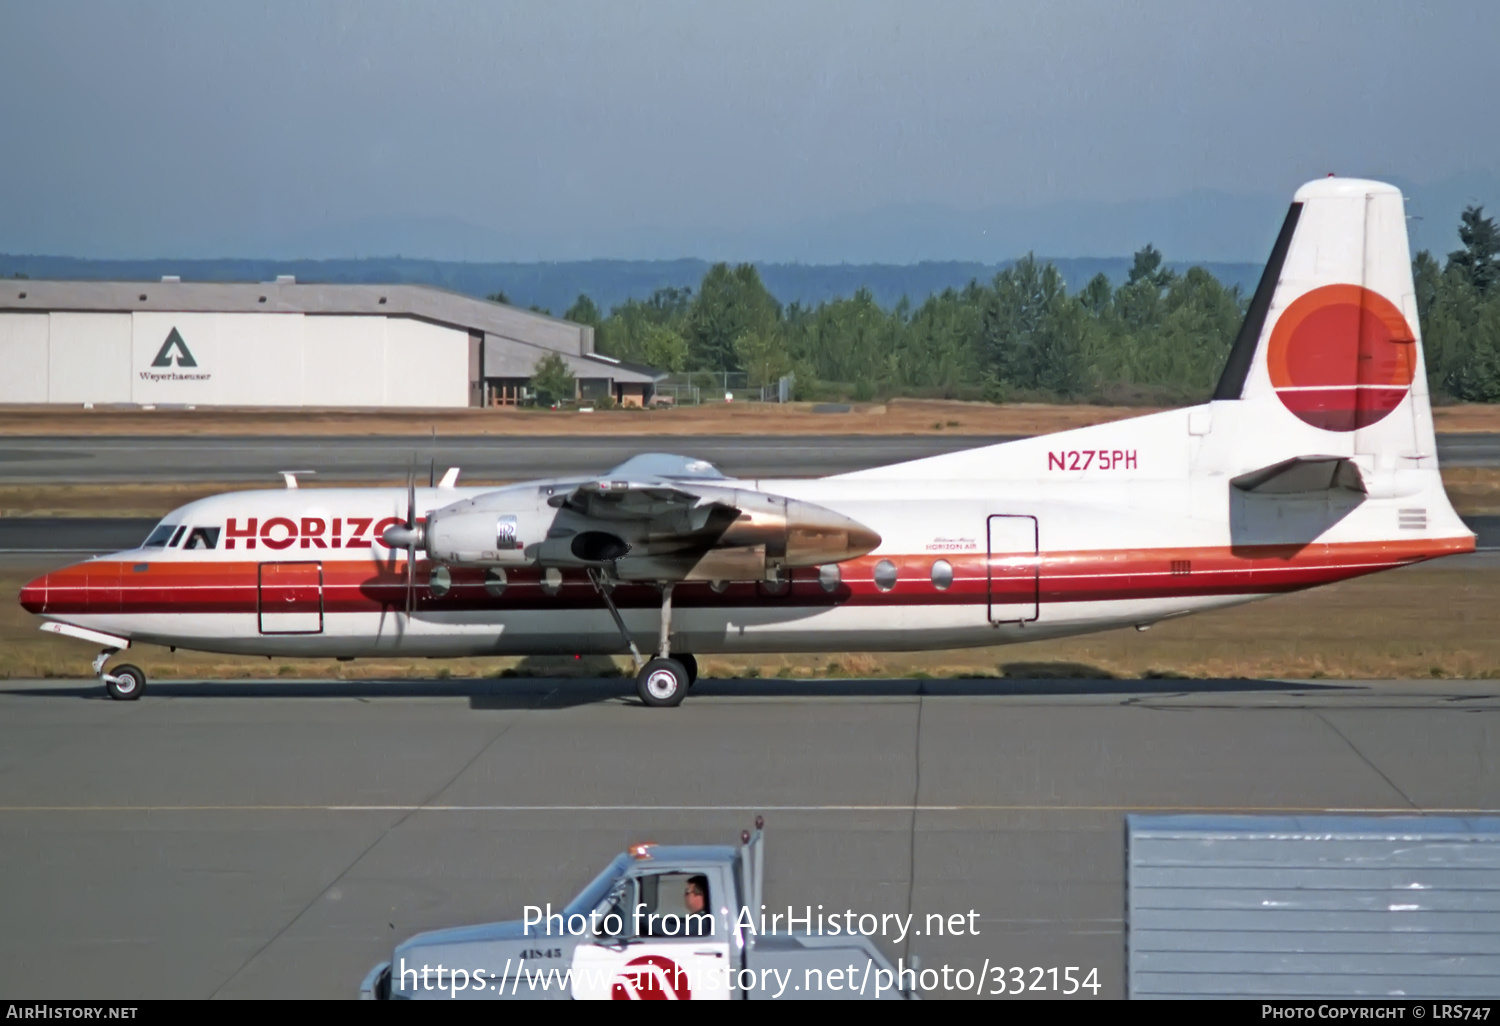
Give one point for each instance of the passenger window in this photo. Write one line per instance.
(203, 538)
(158, 538)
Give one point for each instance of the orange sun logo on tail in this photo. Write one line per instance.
(1341, 357)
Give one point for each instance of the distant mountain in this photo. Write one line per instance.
(534, 245)
(554, 286)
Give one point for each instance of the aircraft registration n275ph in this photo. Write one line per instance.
(1315, 461)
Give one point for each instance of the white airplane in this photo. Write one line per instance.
(1315, 461)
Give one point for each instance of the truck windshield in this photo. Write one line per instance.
(158, 538)
(589, 898)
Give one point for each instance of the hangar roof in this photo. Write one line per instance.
(501, 325)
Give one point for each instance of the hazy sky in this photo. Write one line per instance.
(574, 129)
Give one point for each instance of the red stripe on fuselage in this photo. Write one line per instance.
(216, 586)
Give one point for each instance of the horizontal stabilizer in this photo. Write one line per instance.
(1303, 475)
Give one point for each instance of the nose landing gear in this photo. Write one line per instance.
(125, 683)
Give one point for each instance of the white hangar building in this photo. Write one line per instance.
(284, 344)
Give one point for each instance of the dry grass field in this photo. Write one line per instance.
(898, 416)
(1432, 620)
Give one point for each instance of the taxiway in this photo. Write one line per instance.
(275, 839)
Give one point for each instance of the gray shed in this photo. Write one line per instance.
(1327, 906)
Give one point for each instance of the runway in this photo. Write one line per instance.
(275, 839)
(155, 459)
(148, 459)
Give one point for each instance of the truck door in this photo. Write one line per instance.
(1014, 569)
(291, 598)
(663, 953)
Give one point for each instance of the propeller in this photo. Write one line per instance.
(411, 539)
(408, 535)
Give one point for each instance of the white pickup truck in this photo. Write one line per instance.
(632, 934)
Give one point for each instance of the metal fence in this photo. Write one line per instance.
(696, 388)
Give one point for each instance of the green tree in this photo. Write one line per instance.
(1032, 333)
(1097, 295)
(552, 379)
(1187, 351)
(1459, 307)
(624, 333)
(583, 311)
(670, 305)
(498, 296)
(730, 304)
(763, 355)
(664, 348)
(1477, 261)
(1477, 377)
(1146, 266)
(1427, 276)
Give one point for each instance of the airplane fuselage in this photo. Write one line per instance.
(305, 573)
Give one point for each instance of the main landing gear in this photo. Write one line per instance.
(125, 683)
(663, 681)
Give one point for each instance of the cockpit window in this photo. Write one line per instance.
(177, 537)
(159, 537)
(203, 538)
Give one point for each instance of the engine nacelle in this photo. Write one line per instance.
(494, 529)
(728, 534)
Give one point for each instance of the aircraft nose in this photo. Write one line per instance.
(34, 595)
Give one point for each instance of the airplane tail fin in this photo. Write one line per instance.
(1329, 358)
(1324, 395)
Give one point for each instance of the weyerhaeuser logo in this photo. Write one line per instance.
(174, 348)
(174, 343)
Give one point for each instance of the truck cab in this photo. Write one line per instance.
(637, 931)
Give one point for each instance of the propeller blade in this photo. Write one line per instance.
(411, 523)
(411, 578)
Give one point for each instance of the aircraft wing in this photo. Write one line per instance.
(666, 508)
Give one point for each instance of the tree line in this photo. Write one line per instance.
(1158, 337)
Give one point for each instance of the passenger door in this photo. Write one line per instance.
(1014, 569)
(291, 598)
